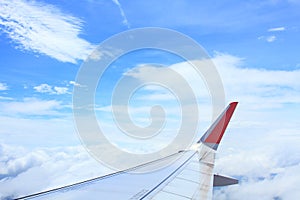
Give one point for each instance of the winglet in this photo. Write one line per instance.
(214, 134)
(220, 181)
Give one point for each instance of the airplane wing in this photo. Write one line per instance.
(189, 177)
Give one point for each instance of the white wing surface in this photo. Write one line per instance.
(190, 176)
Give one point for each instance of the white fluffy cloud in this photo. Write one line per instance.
(74, 83)
(44, 29)
(268, 172)
(60, 90)
(45, 88)
(258, 87)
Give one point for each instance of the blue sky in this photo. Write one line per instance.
(254, 45)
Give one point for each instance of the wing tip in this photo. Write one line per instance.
(214, 134)
(233, 103)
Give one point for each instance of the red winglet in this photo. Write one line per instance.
(214, 134)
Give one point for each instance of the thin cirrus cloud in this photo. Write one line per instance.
(31, 106)
(3, 87)
(44, 29)
(270, 38)
(125, 21)
(276, 29)
(5, 98)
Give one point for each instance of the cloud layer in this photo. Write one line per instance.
(269, 172)
(260, 148)
(274, 86)
(43, 29)
(43, 169)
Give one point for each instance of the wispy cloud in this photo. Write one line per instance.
(276, 29)
(145, 73)
(5, 98)
(3, 86)
(270, 38)
(31, 106)
(44, 29)
(45, 88)
(125, 21)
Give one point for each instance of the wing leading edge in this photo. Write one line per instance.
(189, 177)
